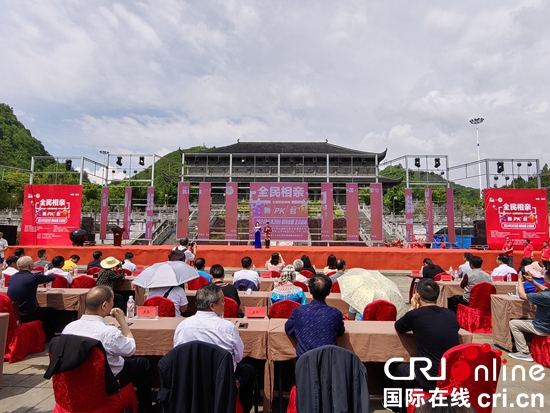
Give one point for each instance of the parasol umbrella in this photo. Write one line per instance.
(166, 274)
(360, 287)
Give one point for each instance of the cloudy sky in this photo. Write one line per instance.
(152, 76)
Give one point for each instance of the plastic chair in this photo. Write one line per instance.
(499, 278)
(73, 394)
(6, 280)
(540, 350)
(60, 282)
(302, 285)
(84, 281)
(461, 363)
(306, 273)
(37, 270)
(328, 274)
(23, 338)
(380, 310)
(244, 284)
(476, 317)
(271, 274)
(93, 271)
(127, 271)
(165, 306)
(197, 283)
(282, 309)
(335, 287)
(439, 277)
(231, 308)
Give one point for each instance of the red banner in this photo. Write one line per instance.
(104, 212)
(205, 189)
(231, 204)
(284, 206)
(429, 215)
(409, 215)
(352, 212)
(182, 224)
(451, 215)
(327, 212)
(518, 213)
(149, 210)
(377, 233)
(50, 213)
(127, 211)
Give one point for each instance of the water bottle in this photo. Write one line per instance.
(451, 270)
(2, 281)
(249, 291)
(130, 307)
(517, 291)
(455, 275)
(48, 286)
(276, 283)
(508, 277)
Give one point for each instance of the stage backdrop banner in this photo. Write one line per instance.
(327, 212)
(451, 215)
(409, 215)
(519, 213)
(429, 215)
(149, 210)
(352, 212)
(127, 211)
(182, 224)
(203, 231)
(104, 212)
(231, 215)
(377, 233)
(50, 213)
(284, 206)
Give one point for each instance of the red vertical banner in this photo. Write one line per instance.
(327, 212)
(429, 215)
(127, 211)
(377, 233)
(149, 209)
(231, 203)
(182, 224)
(409, 215)
(352, 212)
(104, 212)
(451, 215)
(205, 189)
(50, 213)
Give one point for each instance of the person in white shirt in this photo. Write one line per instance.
(208, 326)
(299, 266)
(11, 266)
(503, 267)
(128, 264)
(247, 273)
(175, 294)
(119, 342)
(3, 247)
(57, 263)
(465, 269)
(184, 246)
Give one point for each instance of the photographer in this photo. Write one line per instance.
(111, 272)
(186, 251)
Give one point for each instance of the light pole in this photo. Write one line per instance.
(477, 121)
(106, 172)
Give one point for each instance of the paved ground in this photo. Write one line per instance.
(24, 390)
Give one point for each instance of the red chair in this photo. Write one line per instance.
(306, 273)
(231, 308)
(540, 350)
(328, 274)
(165, 306)
(6, 280)
(37, 270)
(73, 394)
(499, 278)
(461, 364)
(83, 281)
(23, 338)
(282, 309)
(443, 276)
(335, 287)
(60, 282)
(272, 274)
(380, 310)
(197, 283)
(302, 285)
(514, 277)
(476, 317)
(127, 271)
(93, 271)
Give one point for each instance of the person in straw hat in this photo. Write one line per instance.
(286, 290)
(110, 274)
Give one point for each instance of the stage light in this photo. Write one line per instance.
(363, 161)
(500, 167)
(417, 162)
(266, 159)
(529, 164)
(314, 160)
(292, 161)
(437, 162)
(142, 160)
(340, 161)
(243, 160)
(68, 164)
(519, 164)
(119, 160)
(507, 177)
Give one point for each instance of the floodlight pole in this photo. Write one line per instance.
(476, 122)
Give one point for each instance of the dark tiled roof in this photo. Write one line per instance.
(311, 148)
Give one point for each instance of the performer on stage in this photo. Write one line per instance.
(508, 250)
(267, 231)
(257, 236)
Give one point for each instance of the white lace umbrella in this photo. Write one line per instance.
(166, 274)
(360, 287)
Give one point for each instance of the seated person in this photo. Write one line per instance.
(96, 262)
(189, 250)
(70, 264)
(340, 270)
(247, 273)
(331, 264)
(468, 281)
(503, 268)
(299, 266)
(57, 264)
(535, 272)
(465, 268)
(176, 294)
(199, 264)
(218, 274)
(43, 260)
(315, 324)
(276, 263)
(286, 290)
(11, 266)
(430, 270)
(128, 263)
(110, 275)
(307, 265)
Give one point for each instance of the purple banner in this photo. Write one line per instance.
(149, 209)
(205, 189)
(409, 215)
(127, 211)
(451, 215)
(376, 209)
(182, 224)
(104, 212)
(327, 212)
(352, 212)
(429, 215)
(231, 216)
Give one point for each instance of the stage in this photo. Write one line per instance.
(379, 258)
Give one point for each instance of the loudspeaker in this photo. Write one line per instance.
(479, 241)
(10, 234)
(87, 224)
